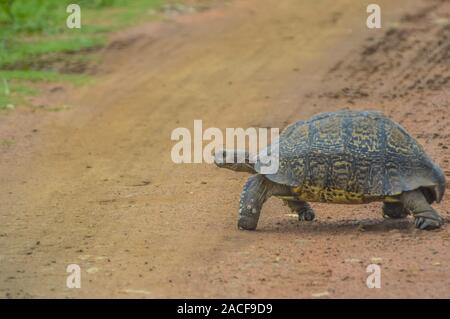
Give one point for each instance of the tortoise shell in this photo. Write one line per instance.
(351, 156)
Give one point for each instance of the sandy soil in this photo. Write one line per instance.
(94, 184)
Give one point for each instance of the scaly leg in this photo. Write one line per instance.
(425, 216)
(303, 209)
(253, 196)
(394, 210)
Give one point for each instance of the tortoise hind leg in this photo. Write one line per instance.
(303, 209)
(253, 196)
(394, 210)
(425, 216)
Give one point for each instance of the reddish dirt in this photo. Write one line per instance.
(94, 184)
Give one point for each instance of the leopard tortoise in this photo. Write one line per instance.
(347, 157)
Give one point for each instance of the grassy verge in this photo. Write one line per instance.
(33, 32)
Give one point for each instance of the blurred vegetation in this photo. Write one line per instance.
(33, 32)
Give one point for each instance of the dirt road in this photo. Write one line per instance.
(94, 184)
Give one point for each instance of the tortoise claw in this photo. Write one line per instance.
(247, 223)
(424, 223)
(306, 215)
(428, 220)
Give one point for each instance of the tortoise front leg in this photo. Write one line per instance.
(253, 196)
(425, 216)
(303, 209)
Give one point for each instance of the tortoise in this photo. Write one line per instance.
(344, 157)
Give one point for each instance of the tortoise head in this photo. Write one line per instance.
(238, 161)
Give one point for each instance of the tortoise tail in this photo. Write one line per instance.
(441, 184)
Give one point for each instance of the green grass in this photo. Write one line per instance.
(24, 52)
(38, 27)
(43, 76)
(16, 84)
(13, 92)
(32, 31)
(5, 94)
(6, 143)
